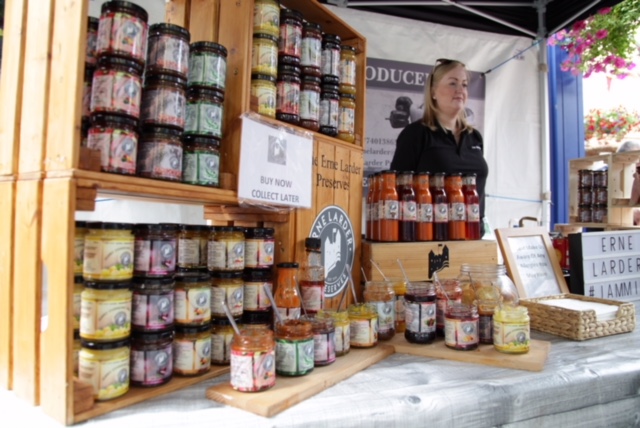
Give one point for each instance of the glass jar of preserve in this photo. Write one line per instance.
(168, 50)
(207, 65)
(154, 249)
(400, 288)
(330, 62)
(601, 195)
(264, 55)
(408, 207)
(585, 196)
(259, 247)
(288, 94)
(192, 246)
(347, 69)
(420, 312)
(290, 42)
(585, 214)
(486, 275)
(164, 101)
(447, 291)
(221, 337)
(192, 350)
(342, 329)
(347, 118)
(192, 304)
(160, 154)
(311, 56)
(382, 295)
(117, 139)
(226, 249)
(324, 340)
(108, 252)
(151, 358)
(105, 366)
(253, 359)
(599, 213)
(152, 306)
(78, 288)
(472, 203)
(329, 110)
(363, 320)
(424, 207)
(310, 103)
(117, 87)
(205, 112)
(440, 207)
(294, 348)
(123, 31)
(227, 288)
(600, 179)
(263, 94)
(81, 231)
(266, 17)
(457, 209)
(91, 57)
(461, 327)
(585, 178)
(511, 331)
(388, 208)
(256, 305)
(201, 161)
(86, 91)
(105, 311)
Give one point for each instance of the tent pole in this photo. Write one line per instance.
(545, 141)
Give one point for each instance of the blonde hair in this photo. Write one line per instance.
(442, 67)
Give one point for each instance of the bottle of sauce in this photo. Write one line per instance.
(287, 300)
(472, 202)
(408, 208)
(312, 280)
(457, 210)
(424, 207)
(389, 210)
(440, 207)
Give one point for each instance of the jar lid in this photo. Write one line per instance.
(150, 130)
(155, 336)
(88, 72)
(78, 279)
(347, 48)
(114, 61)
(229, 229)
(259, 232)
(263, 77)
(423, 173)
(119, 5)
(155, 227)
(388, 171)
(220, 322)
(290, 13)
(330, 88)
(103, 346)
(208, 46)
(201, 139)
(163, 28)
(110, 285)
(76, 334)
(311, 26)
(312, 79)
(287, 265)
(192, 277)
(226, 274)
(265, 36)
(206, 92)
(140, 283)
(470, 174)
(313, 243)
(329, 79)
(160, 78)
(194, 227)
(331, 38)
(454, 174)
(81, 224)
(257, 274)
(289, 69)
(192, 329)
(108, 225)
(112, 120)
(93, 22)
(350, 96)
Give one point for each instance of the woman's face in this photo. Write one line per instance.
(450, 93)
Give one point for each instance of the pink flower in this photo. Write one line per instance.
(620, 63)
(604, 11)
(565, 66)
(599, 68)
(579, 25)
(601, 34)
(631, 65)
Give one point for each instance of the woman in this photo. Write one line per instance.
(443, 141)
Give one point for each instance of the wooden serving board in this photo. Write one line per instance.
(289, 391)
(485, 354)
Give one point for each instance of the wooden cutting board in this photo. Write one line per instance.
(289, 391)
(485, 354)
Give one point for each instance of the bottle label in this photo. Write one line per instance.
(343, 338)
(364, 333)
(386, 316)
(192, 356)
(329, 112)
(441, 213)
(310, 105)
(460, 332)
(207, 69)
(188, 252)
(409, 210)
(105, 319)
(347, 120)
(390, 210)
(116, 91)
(324, 345)
(155, 257)
(312, 294)
(288, 313)
(163, 106)
(290, 41)
(152, 311)
(425, 213)
(511, 337)
(347, 69)
(192, 306)
(152, 367)
(294, 357)
(160, 159)
(170, 53)
(232, 296)
(109, 379)
(118, 148)
(473, 213)
(253, 371)
(457, 212)
(204, 118)
(109, 260)
(263, 98)
(255, 298)
(311, 55)
(421, 317)
(221, 347)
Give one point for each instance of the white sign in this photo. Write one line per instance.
(534, 266)
(275, 165)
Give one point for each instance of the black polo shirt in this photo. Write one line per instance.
(420, 149)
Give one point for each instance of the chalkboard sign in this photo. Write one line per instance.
(531, 261)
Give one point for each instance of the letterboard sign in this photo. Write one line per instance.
(606, 264)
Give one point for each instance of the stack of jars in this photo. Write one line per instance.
(90, 62)
(330, 93)
(264, 56)
(289, 71)
(258, 275)
(347, 109)
(592, 196)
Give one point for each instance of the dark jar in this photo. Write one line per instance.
(168, 50)
(420, 312)
(288, 94)
(117, 87)
(160, 154)
(208, 65)
(290, 42)
(461, 327)
(201, 161)
(86, 91)
(91, 57)
(163, 101)
(151, 358)
(331, 57)
(311, 57)
(324, 340)
(152, 305)
(263, 94)
(123, 31)
(192, 350)
(310, 103)
(154, 250)
(205, 112)
(117, 139)
(329, 110)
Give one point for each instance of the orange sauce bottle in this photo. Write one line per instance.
(472, 202)
(424, 204)
(457, 210)
(287, 299)
(390, 208)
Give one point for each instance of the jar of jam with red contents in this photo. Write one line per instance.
(311, 57)
(168, 51)
(160, 154)
(155, 250)
(117, 139)
(117, 87)
(91, 57)
(290, 42)
(461, 327)
(288, 94)
(163, 101)
(329, 110)
(123, 31)
(151, 358)
(447, 291)
(420, 312)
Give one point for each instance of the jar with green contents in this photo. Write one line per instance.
(294, 348)
(207, 65)
(78, 288)
(192, 350)
(105, 366)
(221, 338)
(108, 252)
(78, 246)
(511, 329)
(192, 246)
(363, 318)
(105, 311)
(226, 249)
(343, 330)
(263, 94)
(227, 288)
(205, 112)
(192, 304)
(201, 162)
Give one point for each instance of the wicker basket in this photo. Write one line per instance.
(578, 325)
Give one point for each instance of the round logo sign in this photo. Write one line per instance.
(333, 227)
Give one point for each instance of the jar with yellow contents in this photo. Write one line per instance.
(511, 329)
(221, 338)
(227, 289)
(105, 311)
(108, 252)
(382, 296)
(78, 252)
(105, 366)
(78, 288)
(192, 299)
(226, 249)
(363, 319)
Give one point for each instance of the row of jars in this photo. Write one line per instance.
(593, 196)
(407, 206)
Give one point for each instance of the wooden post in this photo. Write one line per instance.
(7, 195)
(203, 20)
(177, 12)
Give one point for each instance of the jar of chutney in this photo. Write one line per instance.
(363, 319)
(117, 139)
(168, 50)
(208, 65)
(123, 31)
(347, 118)
(288, 94)
(201, 161)
(192, 246)
(382, 296)
(151, 358)
(192, 350)
(331, 58)
(117, 87)
(294, 348)
(342, 329)
(310, 103)
(253, 359)
(259, 247)
(155, 250)
(420, 312)
(152, 306)
(226, 249)
(290, 42)
(329, 110)
(311, 56)
(257, 307)
(192, 304)
(324, 339)
(347, 69)
(227, 289)
(263, 94)
(221, 337)
(461, 327)
(205, 112)
(164, 101)
(160, 154)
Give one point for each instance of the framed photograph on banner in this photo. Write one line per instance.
(531, 261)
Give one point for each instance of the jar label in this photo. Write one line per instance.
(92, 40)
(290, 41)
(421, 317)
(310, 105)
(311, 52)
(473, 213)
(330, 61)
(155, 257)
(221, 346)
(207, 69)
(188, 251)
(441, 213)
(425, 213)
(511, 336)
(294, 357)
(346, 120)
(116, 92)
(347, 70)
(217, 254)
(409, 210)
(226, 255)
(364, 333)
(168, 53)
(390, 210)
(399, 308)
(193, 306)
(164, 106)
(253, 371)
(201, 168)
(324, 345)
(152, 367)
(108, 260)
(264, 57)
(122, 33)
(191, 356)
(288, 97)
(153, 311)
(109, 378)
(258, 253)
(78, 254)
(204, 118)
(159, 159)
(485, 328)
(343, 338)
(460, 333)
(231, 295)
(312, 294)
(105, 319)
(263, 98)
(457, 212)
(329, 112)
(255, 298)
(266, 18)
(386, 316)
(118, 148)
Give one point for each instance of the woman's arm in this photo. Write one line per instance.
(408, 148)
